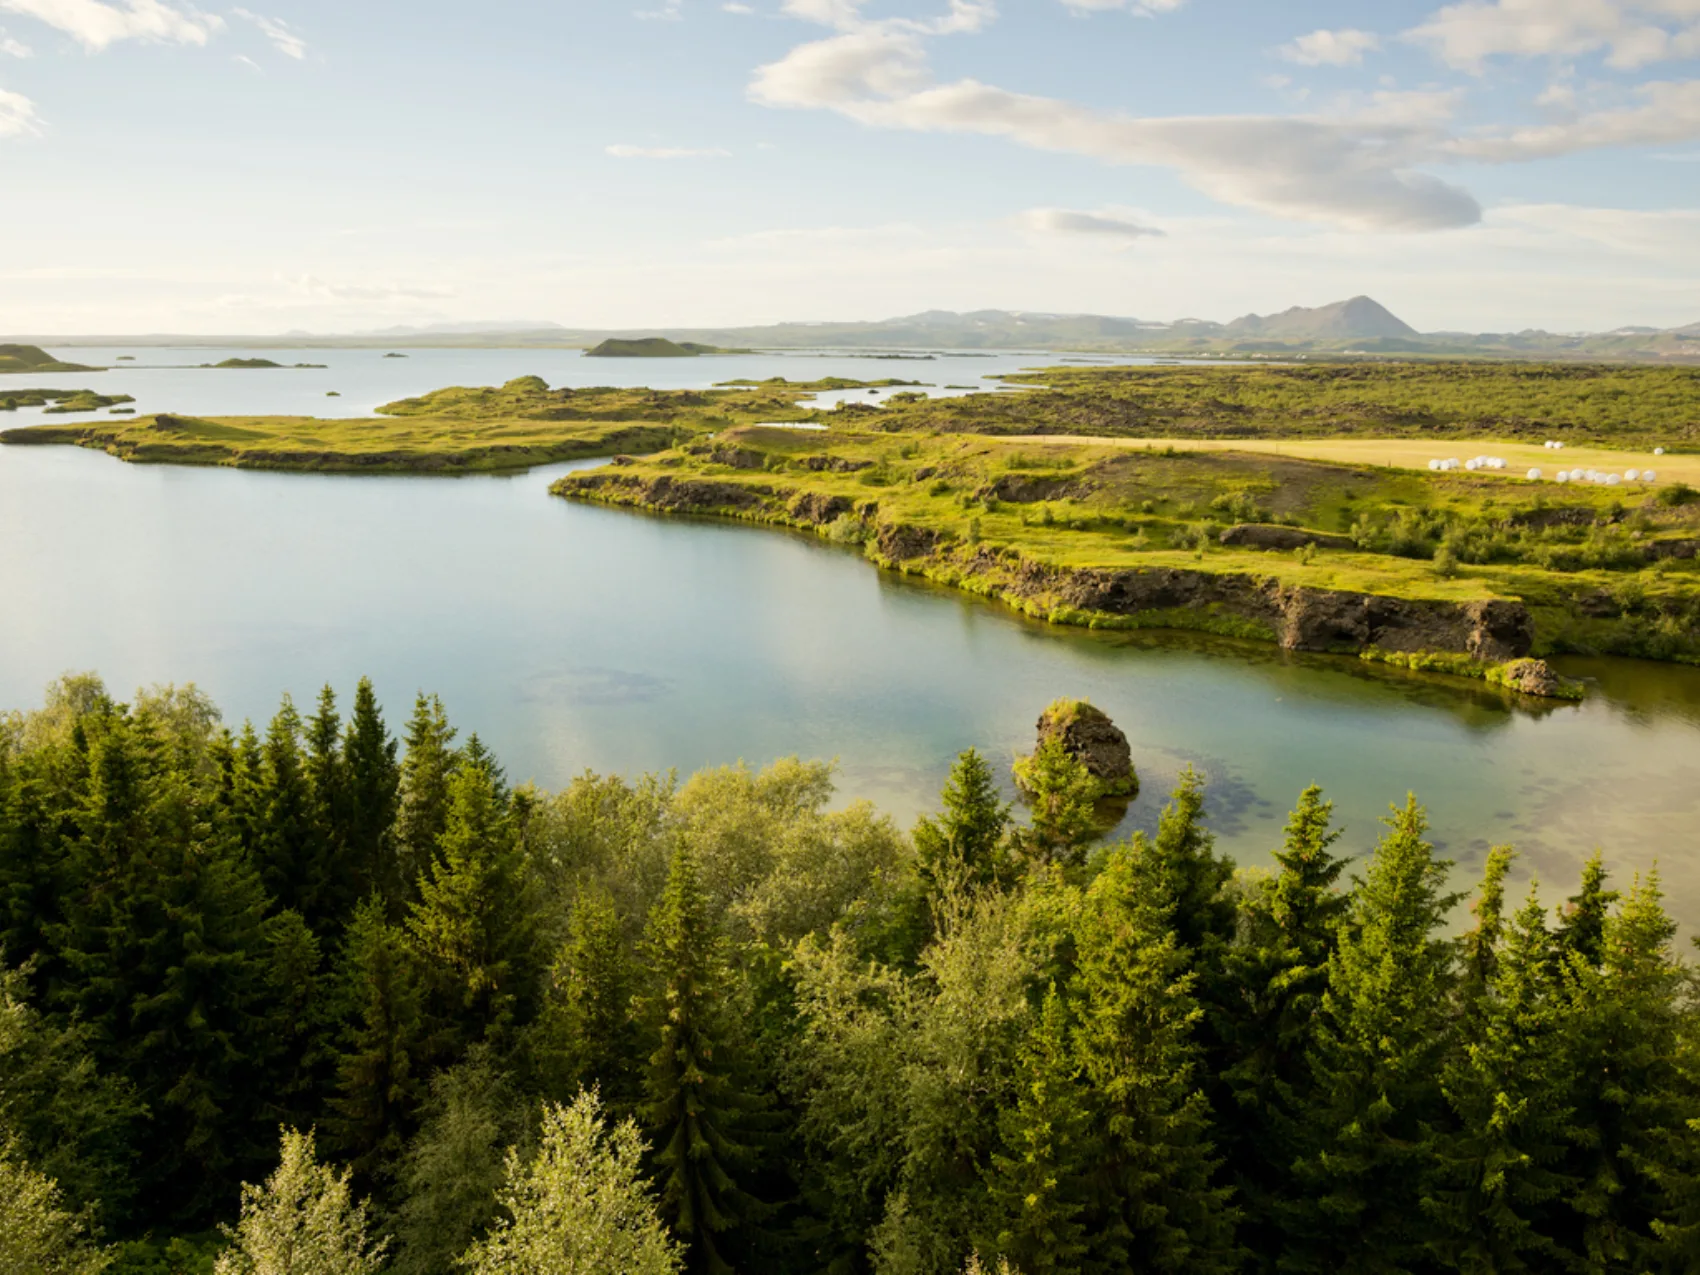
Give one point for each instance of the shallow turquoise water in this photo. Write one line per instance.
(574, 637)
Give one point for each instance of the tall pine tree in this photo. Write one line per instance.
(1376, 1101)
(1156, 1207)
(693, 1105)
(965, 842)
(1498, 1177)
(475, 926)
(378, 1082)
(372, 779)
(1040, 1180)
(426, 768)
(1266, 1028)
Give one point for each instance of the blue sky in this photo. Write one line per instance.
(1484, 165)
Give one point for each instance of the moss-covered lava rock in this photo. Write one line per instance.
(1089, 736)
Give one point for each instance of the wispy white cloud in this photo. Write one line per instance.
(14, 48)
(1063, 221)
(670, 11)
(1358, 172)
(284, 40)
(17, 115)
(1631, 33)
(95, 24)
(1140, 8)
(1669, 112)
(734, 7)
(311, 286)
(1331, 48)
(666, 152)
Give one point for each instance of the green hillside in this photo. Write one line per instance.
(32, 358)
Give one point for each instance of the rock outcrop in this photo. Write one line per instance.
(1262, 535)
(1532, 677)
(1089, 736)
(1298, 617)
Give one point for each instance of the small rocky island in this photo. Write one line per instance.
(253, 365)
(1087, 734)
(653, 347)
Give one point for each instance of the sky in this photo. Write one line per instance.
(324, 165)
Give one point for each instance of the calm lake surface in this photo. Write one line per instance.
(573, 637)
(172, 380)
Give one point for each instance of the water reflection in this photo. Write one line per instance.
(575, 637)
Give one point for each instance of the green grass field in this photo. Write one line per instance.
(1404, 453)
(1600, 404)
(1602, 568)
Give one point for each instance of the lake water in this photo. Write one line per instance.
(172, 380)
(574, 637)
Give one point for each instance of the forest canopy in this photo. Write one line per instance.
(313, 991)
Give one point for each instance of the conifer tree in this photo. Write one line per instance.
(1381, 1035)
(242, 798)
(1498, 1175)
(1582, 923)
(965, 841)
(164, 943)
(302, 1221)
(475, 925)
(288, 852)
(580, 1206)
(373, 798)
(1632, 1098)
(692, 1103)
(327, 779)
(1062, 798)
(1291, 924)
(294, 1040)
(1184, 852)
(1039, 1181)
(1481, 943)
(426, 769)
(1156, 1207)
(586, 1036)
(378, 1083)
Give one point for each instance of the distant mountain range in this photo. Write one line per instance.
(1359, 326)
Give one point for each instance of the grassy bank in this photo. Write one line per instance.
(460, 429)
(1056, 528)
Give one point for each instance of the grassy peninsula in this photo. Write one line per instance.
(32, 358)
(61, 401)
(1383, 562)
(460, 429)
